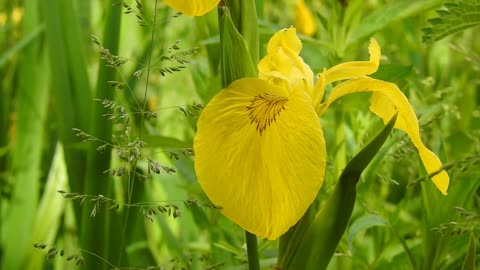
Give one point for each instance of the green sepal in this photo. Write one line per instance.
(320, 240)
(244, 17)
(236, 60)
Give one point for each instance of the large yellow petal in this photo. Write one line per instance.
(260, 155)
(347, 70)
(283, 63)
(304, 20)
(386, 100)
(192, 7)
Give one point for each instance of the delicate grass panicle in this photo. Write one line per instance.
(130, 149)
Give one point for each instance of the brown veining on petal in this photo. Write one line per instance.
(264, 109)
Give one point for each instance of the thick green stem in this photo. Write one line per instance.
(252, 251)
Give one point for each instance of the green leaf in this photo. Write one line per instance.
(361, 224)
(394, 11)
(469, 262)
(244, 17)
(97, 237)
(48, 219)
(453, 18)
(393, 72)
(321, 239)
(160, 141)
(31, 95)
(20, 45)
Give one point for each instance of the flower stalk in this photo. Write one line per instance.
(252, 251)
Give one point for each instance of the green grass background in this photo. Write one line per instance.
(51, 73)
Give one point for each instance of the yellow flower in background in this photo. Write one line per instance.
(3, 18)
(192, 7)
(259, 148)
(304, 21)
(17, 15)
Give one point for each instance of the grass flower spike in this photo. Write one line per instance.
(192, 7)
(259, 149)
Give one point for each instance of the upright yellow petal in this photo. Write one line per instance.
(347, 70)
(260, 155)
(386, 100)
(304, 20)
(192, 7)
(283, 63)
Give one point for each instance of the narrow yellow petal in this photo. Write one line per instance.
(386, 100)
(347, 70)
(260, 155)
(283, 63)
(192, 7)
(304, 20)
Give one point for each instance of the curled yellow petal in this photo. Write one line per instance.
(386, 100)
(348, 70)
(304, 20)
(283, 63)
(192, 7)
(260, 155)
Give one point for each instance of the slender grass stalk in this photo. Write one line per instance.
(132, 175)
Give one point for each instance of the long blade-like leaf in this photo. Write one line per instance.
(31, 97)
(321, 239)
(95, 232)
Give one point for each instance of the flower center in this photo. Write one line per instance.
(264, 109)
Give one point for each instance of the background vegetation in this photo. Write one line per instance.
(98, 106)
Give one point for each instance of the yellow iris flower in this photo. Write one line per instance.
(192, 7)
(259, 148)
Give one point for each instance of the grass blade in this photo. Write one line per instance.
(32, 95)
(95, 232)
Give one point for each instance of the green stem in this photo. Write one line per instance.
(252, 251)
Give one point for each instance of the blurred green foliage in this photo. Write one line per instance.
(51, 73)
